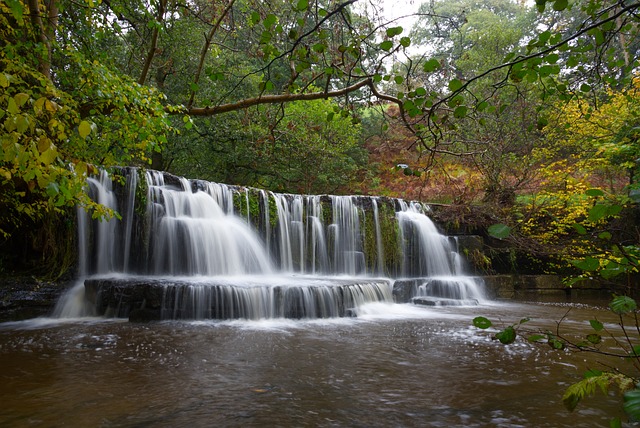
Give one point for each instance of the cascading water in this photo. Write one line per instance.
(194, 236)
(429, 255)
(204, 250)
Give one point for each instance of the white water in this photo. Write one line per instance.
(193, 232)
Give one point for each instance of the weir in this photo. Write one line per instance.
(191, 249)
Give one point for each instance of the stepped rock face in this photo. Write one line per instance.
(190, 249)
(145, 299)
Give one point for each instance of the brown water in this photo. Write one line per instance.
(398, 366)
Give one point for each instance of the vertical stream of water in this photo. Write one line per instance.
(190, 230)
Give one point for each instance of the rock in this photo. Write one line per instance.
(439, 301)
(28, 297)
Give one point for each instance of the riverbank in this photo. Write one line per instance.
(24, 297)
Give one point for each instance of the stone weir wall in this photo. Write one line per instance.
(314, 234)
(370, 234)
(126, 245)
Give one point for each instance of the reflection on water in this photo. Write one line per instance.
(395, 365)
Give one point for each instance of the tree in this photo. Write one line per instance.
(131, 73)
(300, 147)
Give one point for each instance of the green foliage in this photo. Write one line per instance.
(482, 323)
(594, 380)
(40, 171)
(500, 231)
(507, 335)
(56, 131)
(303, 153)
(622, 305)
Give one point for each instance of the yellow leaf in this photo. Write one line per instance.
(43, 144)
(49, 156)
(50, 106)
(38, 106)
(12, 107)
(84, 129)
(81, 168)
(21, 98)
(5, 173)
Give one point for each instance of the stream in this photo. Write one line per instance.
(394, 365)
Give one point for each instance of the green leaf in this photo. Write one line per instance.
(398, 79)
(405, 42)
(556, 344)
(394, 31)
(302, 5)
(594, 338)
(605, 235)
(536, 337)
(255, 17)
(597, 212)
(507, 336)
(594, 192)
(559, 5)
(84, 129)
(552, 58)
(621, 305)
(17, 9)
(386, 45)
(21, 98)
(270, 20)
(431, 65)
(632, 404)
(596, 325)
(614, 209)
(588, 264)
(598, 35)
(579, 228)
(482, 323)
(460, 112)
(52, 189)
(12, 107)
(455, 85)
(499, 231)
(612, 269)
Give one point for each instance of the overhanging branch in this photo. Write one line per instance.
(274, 99)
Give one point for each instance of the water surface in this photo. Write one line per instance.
(396, 365)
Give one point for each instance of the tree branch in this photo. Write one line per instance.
(205, 49)
(274, 99)
(154, 44)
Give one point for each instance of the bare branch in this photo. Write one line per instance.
(205, 49)
(274, 99)
(154, 43)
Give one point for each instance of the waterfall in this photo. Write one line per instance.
(429, 254)
(193, 229)
(347, 250)
(379, 246)
(195, 236)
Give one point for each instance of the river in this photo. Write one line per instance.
(395, 365)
